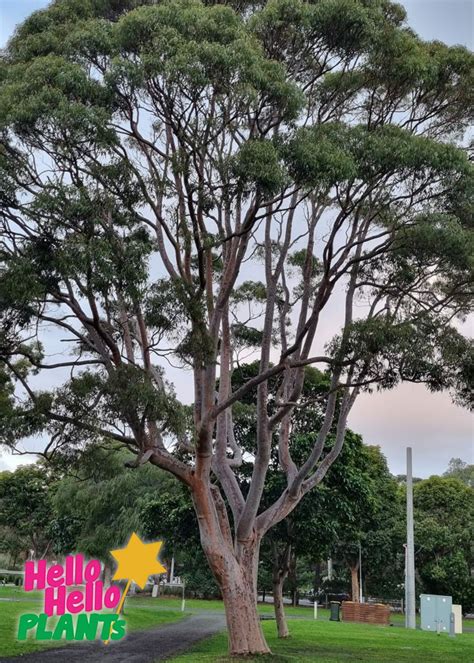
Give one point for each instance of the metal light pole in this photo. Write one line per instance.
(360, 575)
(410, 613)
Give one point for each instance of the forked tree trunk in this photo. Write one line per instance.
(355, 582)
(234, 566)
(237, 584)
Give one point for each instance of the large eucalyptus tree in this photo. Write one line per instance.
(184, 184)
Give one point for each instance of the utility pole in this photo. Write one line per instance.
(410, 612)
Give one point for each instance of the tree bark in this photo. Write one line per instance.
(243, 622)
(234, 566)
(282, 625)
(355, 582)
(107, 575)
(317, 578)
(236, 582)
(293, 579)
(279, 574)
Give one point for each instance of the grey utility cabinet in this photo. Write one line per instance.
(435, 612)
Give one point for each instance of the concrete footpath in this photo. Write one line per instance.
(148, 646)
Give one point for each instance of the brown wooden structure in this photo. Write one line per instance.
(368, 613)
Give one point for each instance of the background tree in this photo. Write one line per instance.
(444, 536)
(26, 511)
(325, 524)
(459, 469)
(171, 517)
(402, 479)
(98, 503)
(152, 157)
(375, 529)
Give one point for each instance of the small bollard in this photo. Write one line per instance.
(315, 609)
(452, 630)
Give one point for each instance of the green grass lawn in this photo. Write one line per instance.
(195, 605)
(139, 616)
(321, 641)
(10, 592)
(199, 605)
(335, 642)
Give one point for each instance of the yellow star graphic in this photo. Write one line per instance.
(137, 561)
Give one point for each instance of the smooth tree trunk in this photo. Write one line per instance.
(279, 575)
(107, 574)
(293, 579)
(355, 582)
(317, 578)
(282, 625)
(295, 598)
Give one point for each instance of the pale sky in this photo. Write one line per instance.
(409, 415)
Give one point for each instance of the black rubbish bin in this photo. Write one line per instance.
(335, 606)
